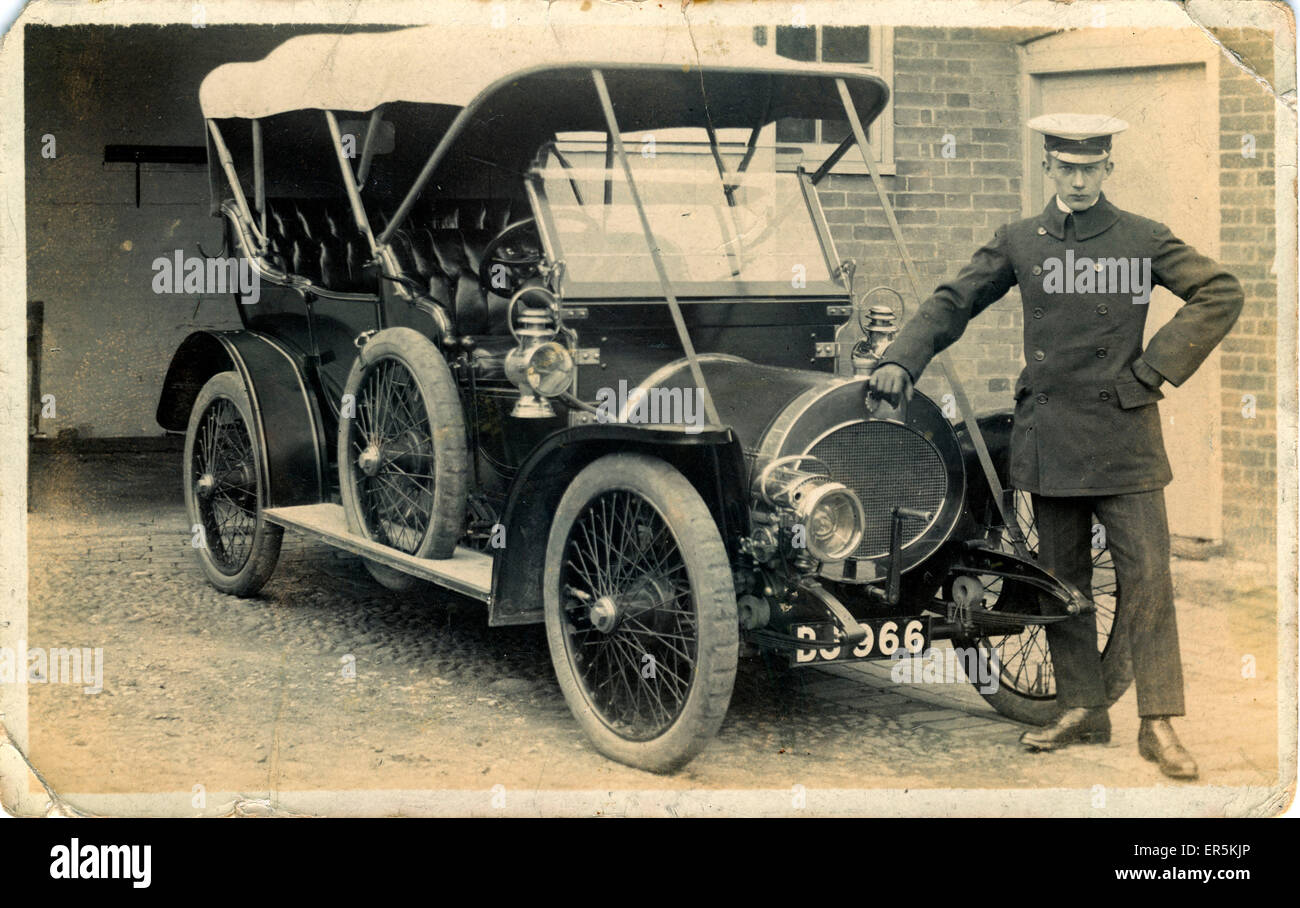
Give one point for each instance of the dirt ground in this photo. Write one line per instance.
(253, 696)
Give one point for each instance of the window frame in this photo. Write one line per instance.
(880, 133)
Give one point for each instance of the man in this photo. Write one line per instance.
(1086, 438)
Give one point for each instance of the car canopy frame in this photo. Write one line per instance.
(489, 81)
(497, 76)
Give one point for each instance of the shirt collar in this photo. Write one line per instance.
(1087, 223)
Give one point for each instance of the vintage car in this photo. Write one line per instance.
(558, 325)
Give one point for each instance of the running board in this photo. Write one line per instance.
(466, 571)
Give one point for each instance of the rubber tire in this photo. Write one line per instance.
(1116, 675)
(451, 458)
(709, 572)
(267, 536)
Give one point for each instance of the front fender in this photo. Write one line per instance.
(712, 460)
(281, 398)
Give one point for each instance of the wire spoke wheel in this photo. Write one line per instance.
(224, 489)
(226, 482)
(631, 628)
(392, 450)
(1027, 682)
(402, 451)
(640, 611)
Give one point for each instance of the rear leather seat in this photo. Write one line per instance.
(318, 239)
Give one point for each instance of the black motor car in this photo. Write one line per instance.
(564, 329)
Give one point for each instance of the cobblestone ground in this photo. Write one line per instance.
(250, 695)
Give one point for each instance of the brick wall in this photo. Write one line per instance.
(958, 82)
(1247, 239)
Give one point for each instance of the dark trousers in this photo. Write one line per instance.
(1137, 534)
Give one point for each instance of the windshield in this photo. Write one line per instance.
(749, 233)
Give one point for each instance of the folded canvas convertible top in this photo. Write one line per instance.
(458, 66)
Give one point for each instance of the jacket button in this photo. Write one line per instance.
(1038, 312)
(1105, 395)
(1038, 269)
(1039, 355)
(1042, 230)
(1101, 353)
(1042, 398)
(1103, 309)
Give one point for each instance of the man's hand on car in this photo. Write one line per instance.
(892, 382)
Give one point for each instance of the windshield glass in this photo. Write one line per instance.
(750, 233)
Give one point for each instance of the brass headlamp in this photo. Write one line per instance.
(540, 366)
(829, 513)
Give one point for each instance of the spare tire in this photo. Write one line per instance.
(402, 452)
(1025, 689)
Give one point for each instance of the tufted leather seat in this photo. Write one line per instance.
(319, 240)
(441, 245)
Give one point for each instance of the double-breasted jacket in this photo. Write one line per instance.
(1084, 422)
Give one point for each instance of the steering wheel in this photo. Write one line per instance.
(518, 250)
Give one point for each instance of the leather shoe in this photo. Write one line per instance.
(1079, 725)
(1158, 743)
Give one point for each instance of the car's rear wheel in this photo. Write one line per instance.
(225, 489)
(640, 612)
(1026, 688)
(402, 450)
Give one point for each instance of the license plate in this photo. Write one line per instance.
(884, 639)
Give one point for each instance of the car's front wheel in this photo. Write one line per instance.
(640, 612)
(225, 489)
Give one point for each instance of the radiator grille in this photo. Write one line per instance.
(886, 465)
